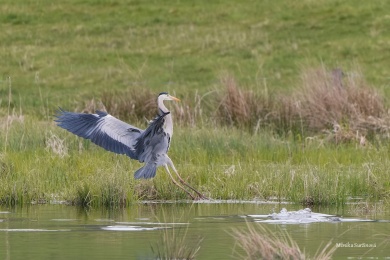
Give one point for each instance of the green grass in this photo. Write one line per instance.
(57, 53)
(65, 54)
(221, 163)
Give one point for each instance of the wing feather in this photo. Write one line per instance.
(102, 129)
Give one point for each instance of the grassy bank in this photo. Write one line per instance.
(279, 100)
(44, 164)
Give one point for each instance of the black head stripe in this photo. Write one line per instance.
(163, 93)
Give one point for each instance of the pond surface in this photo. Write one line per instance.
(67, 232)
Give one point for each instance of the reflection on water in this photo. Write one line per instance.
(130, 228)
(64, 232)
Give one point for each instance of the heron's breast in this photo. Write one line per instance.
(168, 125)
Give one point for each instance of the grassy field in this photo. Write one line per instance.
(77, 53)
(56, 53)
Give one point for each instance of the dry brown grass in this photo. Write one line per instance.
(332, 100)
(189, 110)
(56, 145)
(261, 243)
(140, 106)
(339, 104)
(239, 107)
(333, 103)
(131, 104)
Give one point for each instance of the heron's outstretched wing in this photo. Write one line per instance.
(102, 129)
(153, 142)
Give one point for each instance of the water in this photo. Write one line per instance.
(66, 232)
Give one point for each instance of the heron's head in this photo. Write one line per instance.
(165, 96)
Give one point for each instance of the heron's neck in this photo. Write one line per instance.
(168, 118)
(161, 107)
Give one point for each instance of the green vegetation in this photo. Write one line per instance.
(56, 53)
(223, 163)
(263, 114)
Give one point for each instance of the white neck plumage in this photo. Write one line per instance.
(168, 125)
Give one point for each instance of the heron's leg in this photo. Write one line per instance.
(176, 183)
(185, 183)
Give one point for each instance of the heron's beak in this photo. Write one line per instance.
(174, 98)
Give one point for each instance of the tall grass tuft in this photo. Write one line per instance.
(56, 145)
(241, 108)
(174, 244)
(341, 102)
(261, 243)
(133, 104)
(190, 111)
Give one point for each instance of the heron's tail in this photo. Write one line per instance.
(146, 172)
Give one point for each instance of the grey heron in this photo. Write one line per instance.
(149, 146)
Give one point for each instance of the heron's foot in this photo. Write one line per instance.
(200, 195)
(192, 197)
